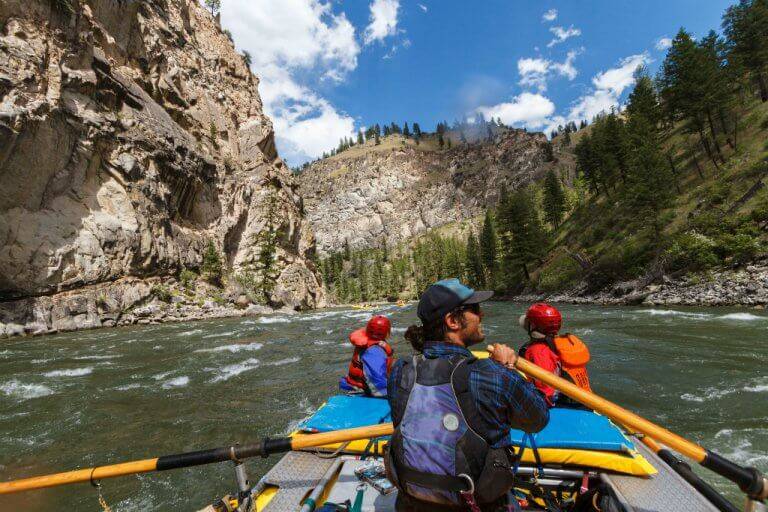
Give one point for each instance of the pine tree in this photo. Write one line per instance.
(648, 188)
(378, 130)
(377, 140)
(406, 130)
(214, 6)
(554, 199)
(416, 131)
(247, 59)
(440, 140)
(523, 237)
(360, 137)
(474, 263)
(746, 27)
(488, 249)
(684, 81)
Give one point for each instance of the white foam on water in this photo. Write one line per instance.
(235, 347)
(95, 358)
(128, 386)
(161, 376)
(190, 333)
(273, 320)
(673, 312)
(232, 370)
(220, 335)
(74, 372)
(757, 386)
(282, 362)
(16, 389)
(743, 317)
(42, 361)
(321, 343)
(178, 382)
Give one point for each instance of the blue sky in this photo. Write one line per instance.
(329, 68)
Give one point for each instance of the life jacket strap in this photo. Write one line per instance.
(461, 484)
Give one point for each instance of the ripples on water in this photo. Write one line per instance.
(79, 399)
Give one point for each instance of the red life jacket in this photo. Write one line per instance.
(356, 377)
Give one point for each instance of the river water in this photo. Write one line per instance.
(87, 398)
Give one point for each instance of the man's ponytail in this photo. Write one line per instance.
(415, 336)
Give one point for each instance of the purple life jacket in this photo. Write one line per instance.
(440, 447)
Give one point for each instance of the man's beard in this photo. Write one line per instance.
(477, 337)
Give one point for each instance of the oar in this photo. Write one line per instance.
(749, 480)
(189, 459)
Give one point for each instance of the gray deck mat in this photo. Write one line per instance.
(295, 475)
(346, 489)
(665, 491)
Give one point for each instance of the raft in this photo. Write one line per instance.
(577, 446)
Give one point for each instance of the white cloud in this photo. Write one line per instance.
(534, 72)
(566, 68)
(549, 16)
(617, 79)
(609, 86)
(562, 34)
(423, 7)
(529, 110)
(663, 43)
(288, 41)
(383, 20)
(537, 112)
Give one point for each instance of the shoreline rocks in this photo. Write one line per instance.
(126, 302)
(747, 286)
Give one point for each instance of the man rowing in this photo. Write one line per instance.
(452, 412)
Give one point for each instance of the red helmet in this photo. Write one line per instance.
(543, 318)
(378, 328)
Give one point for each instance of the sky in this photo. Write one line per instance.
(329, 68)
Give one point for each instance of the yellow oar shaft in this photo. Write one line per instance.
(189, 459)
(80, 475)
(613, 411)
(341, 436)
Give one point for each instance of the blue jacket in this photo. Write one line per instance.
(375, 370)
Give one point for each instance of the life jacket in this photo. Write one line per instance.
(440, 441)
(573, 354)
(355, 376)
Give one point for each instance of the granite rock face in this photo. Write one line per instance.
(132, 134)
(395, 192)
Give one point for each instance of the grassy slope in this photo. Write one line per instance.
(602, 225)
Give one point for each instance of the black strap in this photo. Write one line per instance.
(431, 480)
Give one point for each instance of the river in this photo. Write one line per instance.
(85, 398)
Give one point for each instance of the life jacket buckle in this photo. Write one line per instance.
(469, 495)
(471, 490)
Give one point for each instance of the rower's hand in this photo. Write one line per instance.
(503, 354)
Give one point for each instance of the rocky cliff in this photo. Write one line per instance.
(132, 134)
(397, 190)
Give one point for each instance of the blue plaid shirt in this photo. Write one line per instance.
(503, 398)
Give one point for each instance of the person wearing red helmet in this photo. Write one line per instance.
(565, 356)
(371, 360)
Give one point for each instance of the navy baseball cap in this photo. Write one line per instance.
(444, 296)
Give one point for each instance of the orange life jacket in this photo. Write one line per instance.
(355, 376)
(574, 356)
